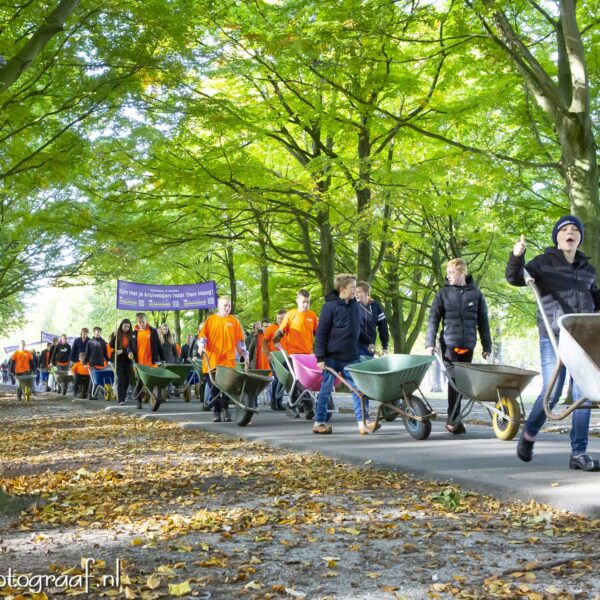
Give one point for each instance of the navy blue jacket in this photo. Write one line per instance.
(338, 330)
(565, 287)
(373, 319)
(78, 346)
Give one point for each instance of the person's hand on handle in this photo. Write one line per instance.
(487, 356)
(321, 365)
(430, 350)
(520, 246)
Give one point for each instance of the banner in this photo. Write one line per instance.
(11, 349)
(48, 337)
(142, 296)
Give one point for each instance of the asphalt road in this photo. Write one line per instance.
(477, 460)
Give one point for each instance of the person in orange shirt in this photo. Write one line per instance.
(219, 338)
(82, 376)
(145, 350)
(268, 346)
(299, 327)
(21, 363)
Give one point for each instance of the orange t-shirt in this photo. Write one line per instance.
(144, 347)
(299, 329)
(269, 334)
(79, 369)
(222, 335)
(261, 359)
(21, 359)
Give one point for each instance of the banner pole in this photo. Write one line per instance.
(116, 358)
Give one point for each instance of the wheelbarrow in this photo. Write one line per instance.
(102, 381)
(25, 383)
(183, 372)
(63, 378)
(500, 385)
(392, 381)
(577, 349)
(242, 387)
(154, 381)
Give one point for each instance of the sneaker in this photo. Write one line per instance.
(121, 403)
(226, 415)
(217, 418)
(322, 428)
(374, 426)
(363, 429)
(584, 462)
(525, 449)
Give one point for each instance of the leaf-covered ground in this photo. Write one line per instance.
(194, 514)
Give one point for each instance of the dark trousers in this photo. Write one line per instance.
(450, 357)
(82, 383)
(219, 400)
(124, 379)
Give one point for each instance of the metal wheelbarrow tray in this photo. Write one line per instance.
(26, 383)
(393, 380)
(242, 388)
(488, 383)
(155, 378)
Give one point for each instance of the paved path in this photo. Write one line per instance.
(477, 460)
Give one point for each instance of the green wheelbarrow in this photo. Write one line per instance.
(392, 381)
(182, 370)
(155, 381)
(242, 388)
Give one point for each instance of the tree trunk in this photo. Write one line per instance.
(264, 280)
(52, 25)
(177, 326)
(231, 276)
(580, 171)
(327, 254)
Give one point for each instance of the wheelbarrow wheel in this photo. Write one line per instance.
(506, 428)
(243, 416)
(388, 414)
(420, 430)
(187, 394)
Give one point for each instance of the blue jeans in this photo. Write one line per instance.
(327, 387)
(537, 417)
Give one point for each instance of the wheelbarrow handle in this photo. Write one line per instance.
(530, 281)
(445, 371)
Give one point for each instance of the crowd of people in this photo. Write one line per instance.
(346, 330)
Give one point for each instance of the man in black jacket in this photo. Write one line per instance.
(567, 284)
(80, 345)
(372, 320)
(462, 309)
(336, 346)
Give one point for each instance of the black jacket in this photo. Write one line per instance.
(45, 354)
(338, 330)
(124, 356)
(464, 312)
(95, 353)
(61, 353)
(373, 319)
(565, 288)
(188, 351)
(78, 346)
(157, 355)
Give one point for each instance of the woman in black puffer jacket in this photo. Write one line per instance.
(461, 308)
